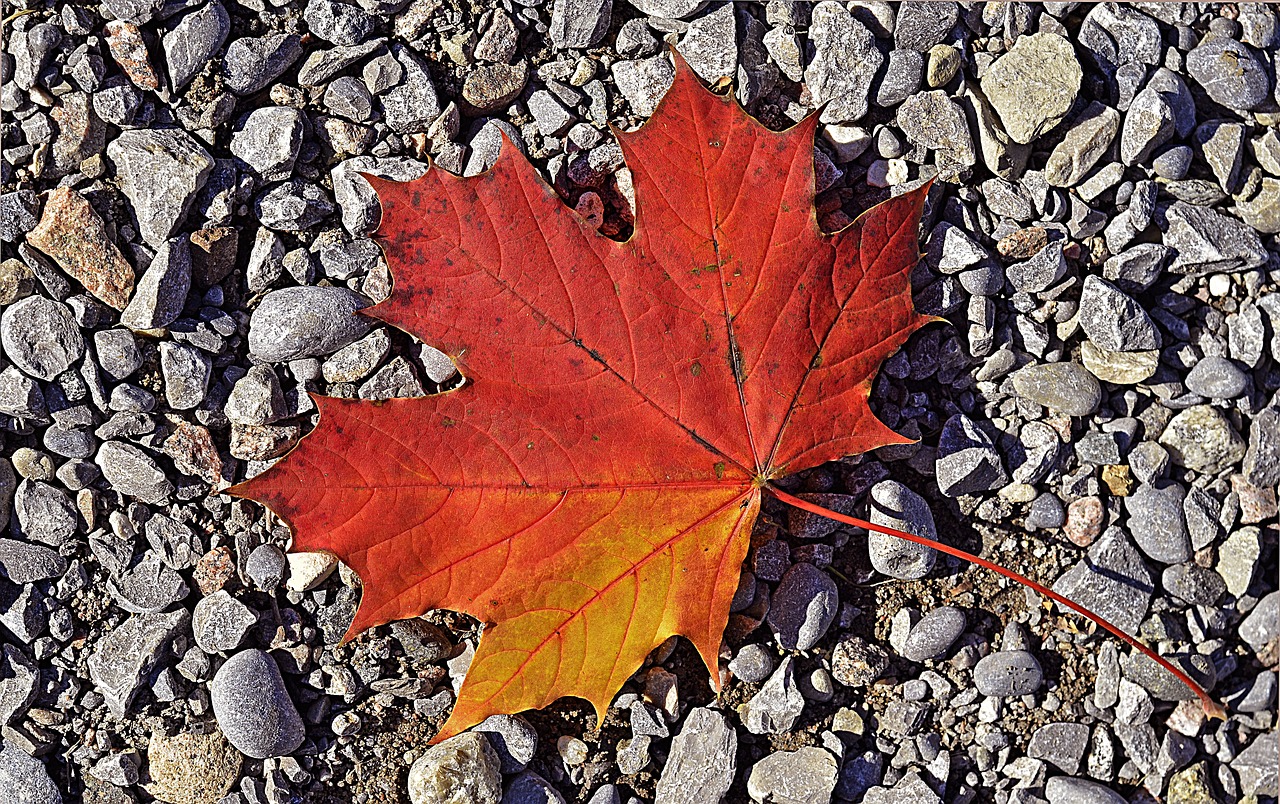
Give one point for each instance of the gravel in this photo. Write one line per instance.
(188, 242)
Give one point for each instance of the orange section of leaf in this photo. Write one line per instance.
(590, 490)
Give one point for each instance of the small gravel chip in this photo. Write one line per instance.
(253, 708)
(1008, 673)
(856, 662)
(268, 141)
(131, 471)
(160, 171)
(1060, 744)
(513, 739)
(1071, 790)
(221, 622)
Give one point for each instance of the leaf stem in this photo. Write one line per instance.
(1211, 707)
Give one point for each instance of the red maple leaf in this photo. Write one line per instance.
(591, 489)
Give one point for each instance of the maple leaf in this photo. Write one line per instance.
(591, 489)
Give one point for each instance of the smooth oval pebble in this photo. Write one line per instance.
(803, 607)
(253, 708)
(934, 634)
(896, 506)
(1008, 673)
(1216, 378)
(1070, 790)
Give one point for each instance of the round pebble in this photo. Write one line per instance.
(803, 607)
(253, 708)
(1008, 674)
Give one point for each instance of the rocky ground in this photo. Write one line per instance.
(185, 242)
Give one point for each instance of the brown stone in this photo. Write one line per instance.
(213, 254)
(1118, 479)
(17, 281)
(1023, 243)
(251, 442)
(192, 768)
(213, 570)
(1084, 521)
(71, 232)
(129, 49)
(493, 86)
(194, 453)
(1257, 503)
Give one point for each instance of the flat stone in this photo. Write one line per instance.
(1042, 270)
(1257, 765)
(220, 622)
(1119, 368)
(804, 776)
(160, 171)
(1060, 744)
(967, 461)
(1065, 387)
(1205, 241)
(253, 707)
(19, 679)
(1072, 790)
(1083, 145)
(191, 768)
(702, 762)
(921, 25)
(1262, 626)
(162, 291)
(1113, 581)
(1163, 685)
(45, 513)
(131, 471)
(24, 778)
(1008, 673)
(1199, 586)
(1033, 85)
(710, 44)
(464, 768)
(126, 655)
(893, 505)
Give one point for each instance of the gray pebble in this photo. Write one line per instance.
(1229, 72)
(1060, 744)
(40, 336)
(305, 322)
(1071, 790)
(1157, 522)
(702, 762)
(967, 461)
(191, 43)
(186, 372)
(934, 634)
(160, 294)
(160, 171)
(253, 62)
(896, 506)
(1113, 320)
(253, 708)
(1008, 673)
(752, 663)
(1216, 378)
(805, 603)
(1065, 387)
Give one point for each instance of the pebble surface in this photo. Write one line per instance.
(189, 243)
